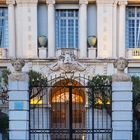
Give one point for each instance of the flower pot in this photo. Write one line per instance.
(42, 41)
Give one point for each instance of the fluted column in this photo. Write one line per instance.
(51, 28)
(11, 28)
(121, 37)
(83, 28)
(114, 33)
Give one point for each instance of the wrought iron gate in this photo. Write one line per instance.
(70, 111)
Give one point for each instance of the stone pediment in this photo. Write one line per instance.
(67, 63)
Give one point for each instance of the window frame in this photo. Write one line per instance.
(75, 27)
(5, 42)
(132, 39)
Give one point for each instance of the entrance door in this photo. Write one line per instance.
(67, 113)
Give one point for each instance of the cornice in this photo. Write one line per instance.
(26, 1)
(133, 1)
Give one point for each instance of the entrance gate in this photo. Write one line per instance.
(68, 110)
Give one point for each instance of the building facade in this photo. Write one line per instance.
(67, 25)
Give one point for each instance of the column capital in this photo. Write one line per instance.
(83, 2)
(26, 1)
(10, 2)
(122, 3)
(50, 2)
(115, 3)
(106, 1)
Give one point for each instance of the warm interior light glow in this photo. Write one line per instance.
(64, 97)
(108, 102)
(99, 101)
(35, 101)
(83, 137)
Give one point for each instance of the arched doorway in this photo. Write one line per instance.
(67, 109)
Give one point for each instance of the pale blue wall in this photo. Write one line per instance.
(42, 22)
(92, 20)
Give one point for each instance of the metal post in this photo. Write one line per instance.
(70, 111)
(92, 90)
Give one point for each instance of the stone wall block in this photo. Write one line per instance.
(19, 115)
(18, 85)
(122, 96)
(122, 135)
(122, 115)
(21, 125)
(19, 135)
(122, 106)
(19, 95)
(121, 86)
(123, 125)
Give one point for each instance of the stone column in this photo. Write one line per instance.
(11, 28)
(83, 28)
(51, 28)
(26, 22)
(122, 110)
(18, 105)
(114, 32)
(121, 103)
(104, 28)
(121, 28)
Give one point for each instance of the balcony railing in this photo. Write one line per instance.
(133, 53)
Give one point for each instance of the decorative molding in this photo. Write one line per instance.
(115, 3)
(10, 2)
(83, 1)
(104, 1)
(67, 63)
(122, 3)
(26, 1)
(50, 2)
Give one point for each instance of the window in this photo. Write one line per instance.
(133, 27)
(3, 27)
(67, 28)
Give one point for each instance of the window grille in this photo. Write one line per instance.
(67, 28)
(133, 27)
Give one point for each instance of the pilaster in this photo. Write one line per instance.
(114, 26)
(105, 28)
(83, 28)
(51, 28)
(27, 25)
(121, 28)
(11, 28)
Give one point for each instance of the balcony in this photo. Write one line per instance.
(133, 53)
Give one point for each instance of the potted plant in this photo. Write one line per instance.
(92, 41)
(42, 40)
